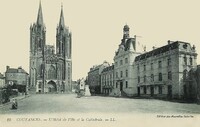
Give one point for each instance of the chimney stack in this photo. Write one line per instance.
(7, 67)
(169, 42)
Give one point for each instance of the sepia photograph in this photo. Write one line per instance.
(99, 63)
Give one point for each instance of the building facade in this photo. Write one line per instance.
(162, 71)
(17, 78)
(107, 80)
(2, 80)
(94, 78)
(81, 84)
(50, 67)
(123, 62)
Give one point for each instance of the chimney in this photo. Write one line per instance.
(153, 47)
(7, 67)
(169, 42)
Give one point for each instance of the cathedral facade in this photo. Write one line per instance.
(50, 67)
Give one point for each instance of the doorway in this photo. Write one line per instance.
(152, 90)
(138, 89)
(169, 92)
(121, 86)
(52, 87)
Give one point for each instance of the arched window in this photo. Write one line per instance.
(185, 74)
(52, 73)
(191, 61)
(126, 73)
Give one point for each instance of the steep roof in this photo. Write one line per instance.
(14, 70)
(158, 51)
(108, 68)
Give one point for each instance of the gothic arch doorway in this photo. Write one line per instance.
(52, 87)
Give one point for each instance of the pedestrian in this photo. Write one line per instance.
(14, 104)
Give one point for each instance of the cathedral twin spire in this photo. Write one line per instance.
(40, 16)
(62, 22)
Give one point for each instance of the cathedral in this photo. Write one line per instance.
(50, 66)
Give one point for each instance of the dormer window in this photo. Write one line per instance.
(185, 46)
(191, 61)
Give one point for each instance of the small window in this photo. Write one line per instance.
(170, 75)
(126, 84)
(169, 61)
(126, 73)
(144, 67)
(116, 74)
(185, 74)
(121, 74)
(151, 66)
(152, 77)
(145, 78)
(121, 62)
(191, 61)
(138, 79)
(185, 60)
(40, 85)
(159, 64)
(160, 77)
(116, 64)
(138, 67)
(126, 60)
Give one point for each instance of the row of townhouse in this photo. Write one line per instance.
(157, 73)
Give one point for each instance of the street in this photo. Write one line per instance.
(68, 103)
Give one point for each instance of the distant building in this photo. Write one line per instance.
(17, 78)
(94, 78)
(162, 71)
(2, 80)
(81, 84)
(74, 86)
(169, 71)
(50, 66)
(123, 62)
(107, 80)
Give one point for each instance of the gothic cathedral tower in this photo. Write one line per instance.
(37, 46)
(50, 71)
(63, 50)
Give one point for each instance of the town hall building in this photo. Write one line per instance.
(50, 67)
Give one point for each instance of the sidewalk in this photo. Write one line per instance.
(20, 97)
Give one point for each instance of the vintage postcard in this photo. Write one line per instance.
(99, 63)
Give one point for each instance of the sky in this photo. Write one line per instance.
(97, 27)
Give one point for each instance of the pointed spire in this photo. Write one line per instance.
(62, 22)
(40, 16)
